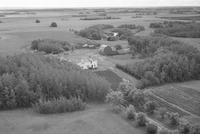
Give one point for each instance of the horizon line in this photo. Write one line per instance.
(101, 7)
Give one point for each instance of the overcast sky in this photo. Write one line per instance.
(95, 3)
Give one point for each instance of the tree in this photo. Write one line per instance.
(141, 119)
(130, 112)
(151, 128)
(150, 107)
(53, 24)
(37, 21)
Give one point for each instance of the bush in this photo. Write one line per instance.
(174, 119)
(150, 107)
(141, 119)
(130, 112)
(162, 112)
(195, 129)
(59, 105)
(115, 98)
(184, 127)
(151, 129)
(53, 24)
(118, 47)
(37, 21)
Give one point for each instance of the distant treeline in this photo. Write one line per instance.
(177, 29)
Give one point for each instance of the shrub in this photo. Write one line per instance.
(174, 119)
(138, 99)
(195, 129)
(150, 107)
(118, 47)
(151, 129)
(141, 119)
(117, 108)
(53, 24)
(59, 105)
(162, 112)
(37, 21)
(184, 127)
(115, 98)
(130, 112)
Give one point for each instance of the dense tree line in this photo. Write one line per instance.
(50, 46)
(166, 60)
(178, 29)
(27, 78)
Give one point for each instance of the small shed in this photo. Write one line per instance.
(107, 50)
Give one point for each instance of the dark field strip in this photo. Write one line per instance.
(111, 77)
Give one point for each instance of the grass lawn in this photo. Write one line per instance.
(97, 119)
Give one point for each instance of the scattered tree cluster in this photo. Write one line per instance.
(27, 78)
(94, 32)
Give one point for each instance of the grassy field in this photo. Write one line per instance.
(186, 98)
(95, 120)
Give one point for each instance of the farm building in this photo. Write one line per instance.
(107, 50)
(88, 64)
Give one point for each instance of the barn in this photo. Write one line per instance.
(107, 50)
